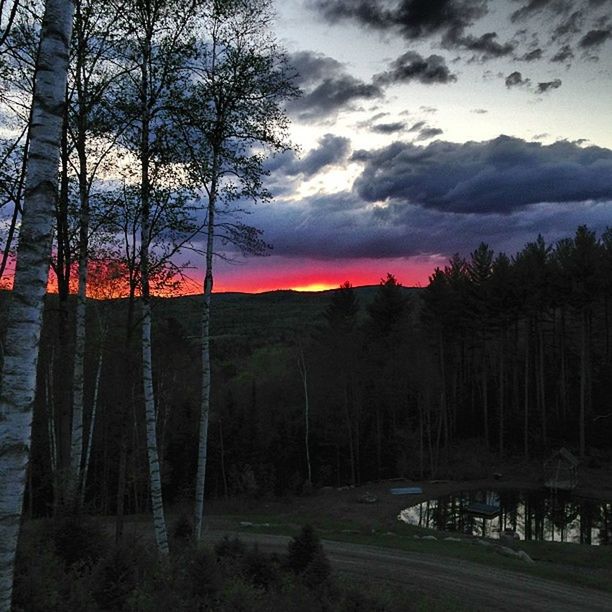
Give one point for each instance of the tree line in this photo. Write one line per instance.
(498, 356)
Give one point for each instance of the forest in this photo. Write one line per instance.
(134, 134)
(510, 354)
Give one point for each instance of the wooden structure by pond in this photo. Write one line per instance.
(561, 471)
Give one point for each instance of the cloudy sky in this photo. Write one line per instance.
(428, 126)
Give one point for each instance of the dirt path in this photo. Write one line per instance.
(477, 586)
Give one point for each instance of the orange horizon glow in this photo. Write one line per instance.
(260, 275)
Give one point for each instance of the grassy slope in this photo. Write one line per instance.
(588, 566)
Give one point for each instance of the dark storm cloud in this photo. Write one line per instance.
(500, 175)
(486, 46)
(416, 19)
(411, 18)
(595, 38)
(570, 26)
(429, 132)
(532, 56)
(331, 151)
(417, 127)
(565, 54)
(529, 8)
(388, 128)
(402, 229)
(515, 79)
(313, 67)
(413, 67)
(327, 87)
(544, 87)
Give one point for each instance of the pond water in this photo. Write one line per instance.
(533, 515)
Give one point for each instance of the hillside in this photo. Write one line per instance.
(271, 315)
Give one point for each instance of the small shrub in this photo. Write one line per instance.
(260, 569)
(230, 549)
(302, 549)
(78, 539)
(318, 571)
(240, 596)
(182, 530)
(43, 580)
(116, 576)
(204, 579)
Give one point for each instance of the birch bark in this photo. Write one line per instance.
(159, 522)
(206, 366)
(33, 258)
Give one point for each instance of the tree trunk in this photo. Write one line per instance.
(30, 281)
(157, 505)
(583, 382)
(206, 364)
(349, 432)
(78, 376)
(304, 375)
(501, 396)
(92, 423)
(542, 385)
(526, 398)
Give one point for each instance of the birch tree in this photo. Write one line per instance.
(154, 56)
(234, 118)
(32, 266)
(93, 141)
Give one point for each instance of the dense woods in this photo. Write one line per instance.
(498, 355)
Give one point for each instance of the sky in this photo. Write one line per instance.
(428, 126)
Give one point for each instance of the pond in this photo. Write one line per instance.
(533, 515)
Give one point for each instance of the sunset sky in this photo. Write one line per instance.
(427, 126)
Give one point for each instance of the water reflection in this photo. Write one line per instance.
(533, 515)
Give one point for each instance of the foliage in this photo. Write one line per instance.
(232, 577)
(306, 556)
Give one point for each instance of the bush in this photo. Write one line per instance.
(44, 584)
(204, 579)
(318, 571)
(260, 569)
(240, 596)
(182, 530)
(78, 539)
(230, 549)
(117, 575)
(302, 549)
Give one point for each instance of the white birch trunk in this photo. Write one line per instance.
(76, 437)
(92, 424)
(159, 521)
(304, 375)
(206, 365)
(157, 505)
(30, 282)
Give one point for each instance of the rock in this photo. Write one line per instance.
(451, 539)
(429, 537)
(368, 498)
(521, 554)
(507, 552)
(246, 524)
(510, 539)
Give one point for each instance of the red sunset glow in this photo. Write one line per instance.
(271, 273)
(257, 275)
